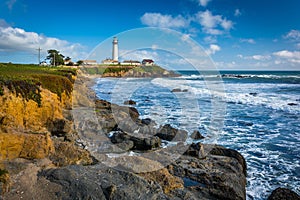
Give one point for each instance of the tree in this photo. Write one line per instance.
(55, 57)
(79, 62)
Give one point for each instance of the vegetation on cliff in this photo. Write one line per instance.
(128, 71)
(25, 80)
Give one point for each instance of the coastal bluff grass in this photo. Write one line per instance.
(128, 71)
(25, 80)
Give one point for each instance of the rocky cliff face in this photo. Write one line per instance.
(38, 150)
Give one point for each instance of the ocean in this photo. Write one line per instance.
(254, 112)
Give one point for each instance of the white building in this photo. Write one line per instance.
(148, 62)
(115, 51)
(131, 62)
(89, 62)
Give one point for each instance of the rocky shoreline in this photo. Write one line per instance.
(96, 152)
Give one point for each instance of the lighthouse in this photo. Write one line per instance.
(115, 50)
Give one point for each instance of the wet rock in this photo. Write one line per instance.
(196, 135)
(244, 123)
(196, 150)
(215, 177)
(292, 104)
(222, 151)
(167, 132)
(125, 140)
(179, 90)
(283, 194)
(129, 102)
(253, 94)
(147, 121)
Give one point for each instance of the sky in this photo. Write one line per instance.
(235, 34)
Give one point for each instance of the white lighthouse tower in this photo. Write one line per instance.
(115, 51)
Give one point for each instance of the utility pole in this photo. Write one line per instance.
(54, 60)
(39, 55)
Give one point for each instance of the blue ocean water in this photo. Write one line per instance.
(260, 111)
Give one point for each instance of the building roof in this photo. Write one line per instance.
(148, 60)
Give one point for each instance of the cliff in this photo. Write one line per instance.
(35, 119)
(130, 71)
(41, 156)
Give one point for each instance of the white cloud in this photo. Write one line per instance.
(213, 23)
(290, 56)
(204, 2)
(213, 48)
(18, 40)
(237, 12)
(164, 21)
(247, 40)
(210, 39)
(261, 57)
(293, 35)
(256, 57)
(10, 4)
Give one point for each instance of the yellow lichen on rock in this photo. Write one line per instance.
(30, 146)
(18, 114)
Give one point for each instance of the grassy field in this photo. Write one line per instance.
(25, 80)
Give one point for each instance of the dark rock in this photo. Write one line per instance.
(196, 135)
(100, 182)
(126, 145)
(222, 151)
(179, 90)
(292, 104)
(129, 142)
(167, 132)
(283, 194)
(244, 123)
(195, 150)
(253, 94)
(176, 90)
(215, 177)
(59, 127)
(146, 121)
(129, 102)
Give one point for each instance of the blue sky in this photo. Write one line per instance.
(237, 34)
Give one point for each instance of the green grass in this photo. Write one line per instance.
(25, 80)
(94, 70)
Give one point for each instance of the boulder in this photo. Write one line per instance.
(59, 127)
(214, 177)
(222, 151)
(283, 194)
(125, 140)
(129, 102)
(196, 135)
(167, 132)
(99, 182)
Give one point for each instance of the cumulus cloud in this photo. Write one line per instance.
(213, 24)
(247, 40)
(237, 12)
(18, 40)
(213, 48)
(164, 21)
(261, 57)
(293, 35)
(256, 57)
(290, 56)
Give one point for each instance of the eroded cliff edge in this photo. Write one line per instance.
(41, 151)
